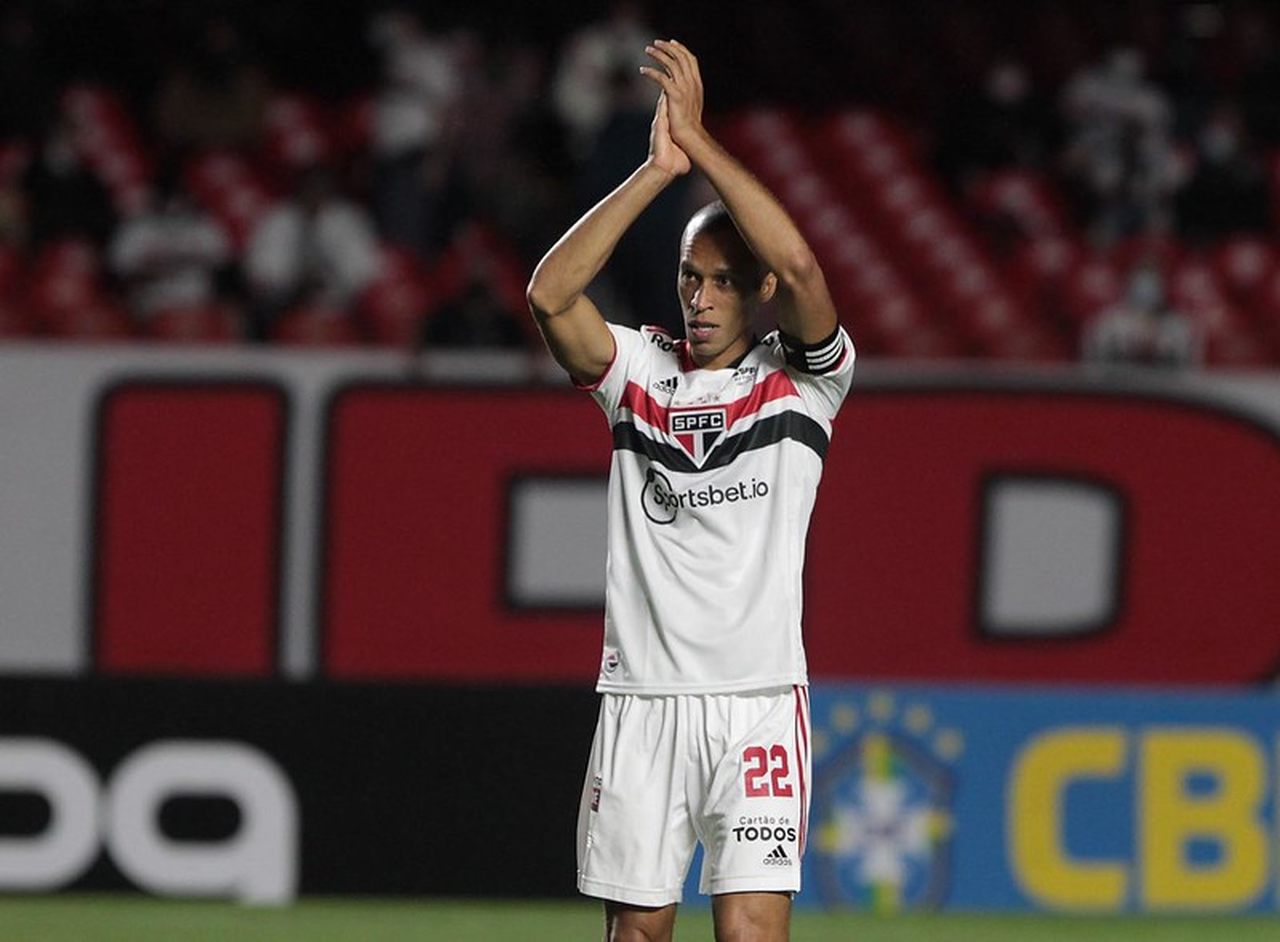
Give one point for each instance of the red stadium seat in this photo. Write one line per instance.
(1029, 343)
(62, 280)
(353, 127)
(1092, 285)
(109, 140)
(316, 326)
(206, 323)
(1244, 264)
(16, 320)
(299, 132)
(755, 130)
(12, 271)
(1193, 285)
(1022, 197)
(232, 189)
(1037, 273)
(1232, 342)
(97, 319)
(393, 310)
(15, 155)
(1266, 303)
(1165, 252)
(1046, 259)
(989, 320)
(924, 343)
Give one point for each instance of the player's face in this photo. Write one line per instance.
(720, 291)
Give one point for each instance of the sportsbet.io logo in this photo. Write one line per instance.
(661, 501)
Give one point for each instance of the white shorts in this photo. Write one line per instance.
(729, 770)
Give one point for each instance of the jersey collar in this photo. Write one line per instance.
(686, 358)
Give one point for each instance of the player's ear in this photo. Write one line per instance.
(768, 285)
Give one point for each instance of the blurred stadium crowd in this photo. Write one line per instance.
(1014, 180)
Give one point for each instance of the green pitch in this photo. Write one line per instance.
(134, 919)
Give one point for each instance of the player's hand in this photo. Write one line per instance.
(663, 152)
(676, 72)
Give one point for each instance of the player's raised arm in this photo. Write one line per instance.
(571, 325)
(805, 310)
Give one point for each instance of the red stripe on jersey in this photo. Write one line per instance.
(593, 386)
(686, 356)
(777, 385)
(643, 406)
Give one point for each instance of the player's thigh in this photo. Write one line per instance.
(752, 917)
(755, 816)
(635, 835)
(626, 923)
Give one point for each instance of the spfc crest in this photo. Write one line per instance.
(697, 431)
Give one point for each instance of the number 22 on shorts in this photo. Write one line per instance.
(766, 772)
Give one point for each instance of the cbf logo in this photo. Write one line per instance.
(882, 820)
(698, 430)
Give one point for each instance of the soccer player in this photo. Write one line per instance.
(718, 443)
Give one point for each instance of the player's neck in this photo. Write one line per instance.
(729, 358)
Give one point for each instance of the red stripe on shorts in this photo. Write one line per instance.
(802, 758)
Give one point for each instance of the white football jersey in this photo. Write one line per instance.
(713, 479)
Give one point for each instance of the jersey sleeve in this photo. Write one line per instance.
(822, 372)
(628, 350)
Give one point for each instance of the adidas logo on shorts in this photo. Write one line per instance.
(777, 858)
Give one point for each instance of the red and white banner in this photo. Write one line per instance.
(303, 515)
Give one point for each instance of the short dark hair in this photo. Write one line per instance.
(715, 218)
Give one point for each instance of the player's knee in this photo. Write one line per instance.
(752, 934)
(749, 930)
(639, 934)
(753, 919)
(632, 932)
(626, 924)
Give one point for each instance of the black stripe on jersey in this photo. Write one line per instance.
(768, 431)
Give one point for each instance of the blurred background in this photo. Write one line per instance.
(301, 533)
(986, 180)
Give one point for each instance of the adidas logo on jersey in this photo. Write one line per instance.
(777, 858)
(667, 385)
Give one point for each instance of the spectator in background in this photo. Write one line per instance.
(26, 85)
(584, 88)
(317, 249)
(1227, 191)
(213, 95)
(640, 269)
(1257, 50)
(1119, 150)
(13, 218)
(169, 255)
(530, 196)
(64, 197)
(508, 174)
(1142, 328)
(1004, 123)
(415, 112)
(476, 319)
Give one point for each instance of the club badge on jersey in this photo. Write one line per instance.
(697, 431)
